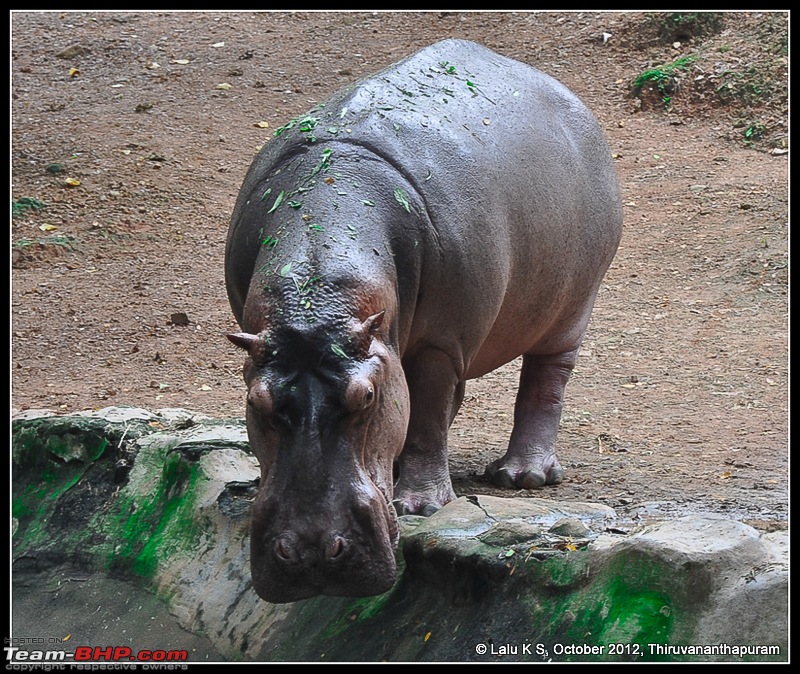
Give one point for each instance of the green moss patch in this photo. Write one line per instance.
(68, 500)
(154, 520)
(45, 467)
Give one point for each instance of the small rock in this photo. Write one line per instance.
(179, 318)
(73, 52)
(569, 526)
(510, 532)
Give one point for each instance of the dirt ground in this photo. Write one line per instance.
(132, 132)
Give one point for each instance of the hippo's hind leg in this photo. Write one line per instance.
(531, 462)
(423, 485)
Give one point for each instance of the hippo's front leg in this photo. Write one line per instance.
(436, 393)
(531, 462)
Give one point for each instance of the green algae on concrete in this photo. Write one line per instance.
(132, 528)
(159, 518)
(609, 620)
(47, 461)
(619, 598)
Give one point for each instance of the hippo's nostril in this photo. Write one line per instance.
(337, 548)
(285, 551)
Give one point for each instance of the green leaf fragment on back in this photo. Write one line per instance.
(402, 198)
(277, 203)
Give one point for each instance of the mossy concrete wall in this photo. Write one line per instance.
(163, 499)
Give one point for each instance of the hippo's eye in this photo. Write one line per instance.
(360, 395)
(271, 418)
(260, 401)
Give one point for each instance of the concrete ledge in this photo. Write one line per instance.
(160, 501)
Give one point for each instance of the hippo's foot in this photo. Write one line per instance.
(529, 472)
(423, 500)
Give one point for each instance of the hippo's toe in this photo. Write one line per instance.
(500, 476)
(556, 474)
(401, 508)
(422, 501)
(530, 479)
(429, 509)
(510, 475)
(426, 510)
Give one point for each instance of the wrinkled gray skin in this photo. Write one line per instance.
(423, 227)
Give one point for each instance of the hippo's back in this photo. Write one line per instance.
(519, 186)
(515, 175)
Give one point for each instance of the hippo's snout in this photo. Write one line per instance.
(343, 551)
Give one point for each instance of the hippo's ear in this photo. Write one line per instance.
(373, 323)
(365, 331)
(244, 340)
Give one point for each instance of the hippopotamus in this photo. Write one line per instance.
(420, 228)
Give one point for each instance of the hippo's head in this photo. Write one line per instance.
(326, 416)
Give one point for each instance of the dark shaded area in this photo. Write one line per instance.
(97, 611)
